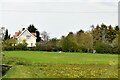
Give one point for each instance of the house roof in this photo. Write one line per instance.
(17, 33)
(33, 34)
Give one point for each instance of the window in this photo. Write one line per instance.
(31, 44)
(28, 37)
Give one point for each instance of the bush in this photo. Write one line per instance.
(101, 47)
(8, 48)
(40, 47)
(115, 50)
(17, 47)
(21, 47)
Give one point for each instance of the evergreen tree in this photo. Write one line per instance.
(6, 35)
(31, 28)
(38, 36)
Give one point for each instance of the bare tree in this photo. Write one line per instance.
(45, 36)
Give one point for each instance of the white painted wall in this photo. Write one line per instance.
(31, 41)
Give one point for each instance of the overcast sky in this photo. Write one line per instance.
(57, 17)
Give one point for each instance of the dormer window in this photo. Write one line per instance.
(28, 36)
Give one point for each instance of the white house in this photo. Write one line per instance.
(30, 38)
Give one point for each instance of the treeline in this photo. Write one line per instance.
(100, 39)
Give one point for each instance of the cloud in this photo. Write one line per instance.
(102, 0)
(59, 0)
(114, 4)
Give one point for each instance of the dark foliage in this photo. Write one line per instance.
(32, 28)
(6, 35)
(38, 36)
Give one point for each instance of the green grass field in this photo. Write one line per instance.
(33, 64)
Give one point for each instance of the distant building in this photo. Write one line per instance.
(30, 38)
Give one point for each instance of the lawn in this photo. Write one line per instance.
(35, 64)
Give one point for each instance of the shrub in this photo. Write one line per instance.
(101, 47)
(8, 48)
(21, 47)
(40, 47)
